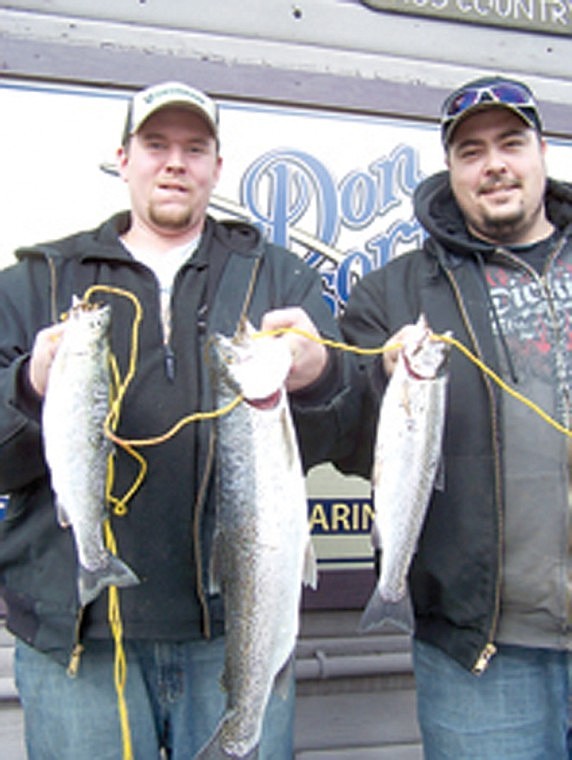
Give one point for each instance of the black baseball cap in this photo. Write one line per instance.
(488, 92)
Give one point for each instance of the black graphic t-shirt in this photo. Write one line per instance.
(531, 292)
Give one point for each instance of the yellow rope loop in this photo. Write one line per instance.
(113, 416)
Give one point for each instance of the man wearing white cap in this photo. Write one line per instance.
(194, 277)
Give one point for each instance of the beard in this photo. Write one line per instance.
(172, 218)
(502, 229)
(506, 224)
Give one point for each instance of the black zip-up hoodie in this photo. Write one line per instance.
(166, 534)
(456, 574)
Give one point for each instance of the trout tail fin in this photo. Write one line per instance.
(114, 573)
(214, 751)
(379, 611)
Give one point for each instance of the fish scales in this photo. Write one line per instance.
(406, 459)
(75, 407)
(262, 549)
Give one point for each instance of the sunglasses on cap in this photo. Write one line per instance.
(514, 95)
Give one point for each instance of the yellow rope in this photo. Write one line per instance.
(120, 661)
(118, 390)
(128, 444)
(446, 339)
(115, 407)
(500, 382)
(197, 416)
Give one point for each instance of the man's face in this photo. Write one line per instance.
(171, 166)
(498, 177)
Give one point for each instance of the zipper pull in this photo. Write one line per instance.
(73, 665)
(484, 659)
(169, 362)
(75, 657)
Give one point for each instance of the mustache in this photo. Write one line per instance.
(498, 183)
(171, 184)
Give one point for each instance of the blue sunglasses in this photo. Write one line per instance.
(513, 94)
(508, 94)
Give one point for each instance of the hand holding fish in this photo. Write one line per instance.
(43, 352)
(395, 345)
(309, 357)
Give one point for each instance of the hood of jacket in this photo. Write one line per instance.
(437, 210)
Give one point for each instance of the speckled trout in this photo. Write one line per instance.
(262, 550)
(74, 411)
(406, 459)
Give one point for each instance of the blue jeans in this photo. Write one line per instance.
(174, 701)
(518, 709)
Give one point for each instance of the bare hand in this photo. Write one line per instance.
(308, 356)
(43, 352)
(394, 344)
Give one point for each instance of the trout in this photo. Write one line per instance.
(75, 407)
(262, 548)
(406, 459)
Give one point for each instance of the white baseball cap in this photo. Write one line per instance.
(146, 102)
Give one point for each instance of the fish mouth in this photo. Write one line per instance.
(268, 402)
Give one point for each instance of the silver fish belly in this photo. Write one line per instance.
(74, 411)
(406, 459)
(262, 551)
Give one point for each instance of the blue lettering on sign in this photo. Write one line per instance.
(336, 516)
(287, 190)
(278, 189)
(3, 505)
(355, 265)
(358, 200)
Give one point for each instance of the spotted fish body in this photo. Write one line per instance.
(262, 550)
(74, 411)
(407, 455)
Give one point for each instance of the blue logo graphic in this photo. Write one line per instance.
(295, 200)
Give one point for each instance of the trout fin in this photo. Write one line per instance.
(378, 612)
(214, 751)
(62, 516)
(215, 575)
(114, 573)
(310, 571)
(284, 678)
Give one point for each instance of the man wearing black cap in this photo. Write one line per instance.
(193, 277)
(490, 582)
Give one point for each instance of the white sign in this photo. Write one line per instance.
(334, 187)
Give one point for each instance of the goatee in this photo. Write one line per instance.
(170, 219)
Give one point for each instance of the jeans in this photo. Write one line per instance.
(518, 709)
(174, 702)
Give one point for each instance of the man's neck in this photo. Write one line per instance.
(540, 231)
(140, 237)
